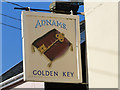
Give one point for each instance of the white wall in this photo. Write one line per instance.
(102, 43)
(31, 85)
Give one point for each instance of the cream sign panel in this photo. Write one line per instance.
(51, 47)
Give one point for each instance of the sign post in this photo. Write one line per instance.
(51, 47)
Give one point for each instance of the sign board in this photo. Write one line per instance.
(51, 47)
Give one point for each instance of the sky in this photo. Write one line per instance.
(12, 36)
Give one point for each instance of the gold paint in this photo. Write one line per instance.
(60, 37)
(71, 47)
(52, 44)
(49, 64)
(42, 48)
(33, 49)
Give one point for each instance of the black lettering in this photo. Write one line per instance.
(55, 73)
(47, 73)
(64, 74)
(34, 72)
(39, 72)
(68, 74)
(51, 73)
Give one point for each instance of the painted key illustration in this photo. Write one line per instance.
(53, 45)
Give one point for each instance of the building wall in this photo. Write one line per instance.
(102, 43)
(31, 85)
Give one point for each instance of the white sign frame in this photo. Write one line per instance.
(28, 18)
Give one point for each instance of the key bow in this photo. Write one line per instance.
(60, 37)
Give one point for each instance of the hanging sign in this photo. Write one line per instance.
(51, 47)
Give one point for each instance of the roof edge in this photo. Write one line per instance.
(11, 81)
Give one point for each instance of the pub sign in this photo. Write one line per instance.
(51, 47)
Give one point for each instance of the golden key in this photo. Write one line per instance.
(43, 48)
